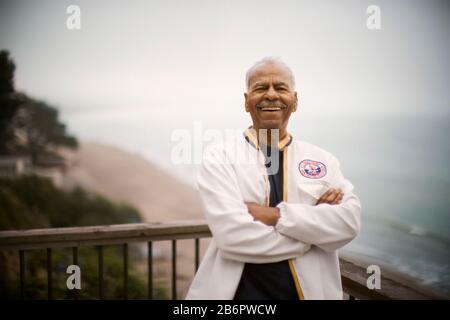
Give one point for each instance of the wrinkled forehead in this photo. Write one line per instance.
(270, 72)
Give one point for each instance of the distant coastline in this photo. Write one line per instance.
(128, 177)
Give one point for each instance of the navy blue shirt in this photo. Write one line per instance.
(269, 281)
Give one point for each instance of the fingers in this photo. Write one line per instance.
(325, 196)
(339, 198)
(331, 196)
(252, 209)
(250, 205)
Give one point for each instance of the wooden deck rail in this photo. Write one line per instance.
(353, 277)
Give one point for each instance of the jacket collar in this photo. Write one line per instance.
(250, 137)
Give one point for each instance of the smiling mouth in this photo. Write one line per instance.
(271, 109)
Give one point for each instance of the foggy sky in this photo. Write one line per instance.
(190, 57)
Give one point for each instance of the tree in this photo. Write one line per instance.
(27, 126)
(38, 130)
(9, 101)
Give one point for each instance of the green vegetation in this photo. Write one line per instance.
(34, 202)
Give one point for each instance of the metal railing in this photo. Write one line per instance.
(353, 277)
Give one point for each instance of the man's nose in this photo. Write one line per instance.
(271, 94)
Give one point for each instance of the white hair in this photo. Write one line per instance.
(269, 60)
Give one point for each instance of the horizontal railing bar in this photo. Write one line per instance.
(102, 235)
(354, 282)
(102, 242)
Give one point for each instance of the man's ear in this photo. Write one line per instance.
(246, 103)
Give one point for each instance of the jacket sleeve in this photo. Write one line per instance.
(237, 236)
(329, 227)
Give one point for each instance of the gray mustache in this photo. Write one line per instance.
(276, 104)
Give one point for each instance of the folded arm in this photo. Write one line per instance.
(237, 235)
(329, 227)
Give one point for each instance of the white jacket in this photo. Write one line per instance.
(233, 173)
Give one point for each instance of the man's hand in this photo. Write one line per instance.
(267, 215)
(332, 196)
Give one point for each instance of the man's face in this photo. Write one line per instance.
(270, 97)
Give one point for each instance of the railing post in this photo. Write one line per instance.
(150, 270)
(49, 274)
(174, 269)
(197, 253)
(75, 262)
(125, 271)
(22, 273)
(100, 272)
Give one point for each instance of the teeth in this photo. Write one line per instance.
(270, 109)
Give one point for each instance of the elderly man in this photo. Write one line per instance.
(278, 208)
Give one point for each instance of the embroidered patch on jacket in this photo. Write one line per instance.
(312, 169)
